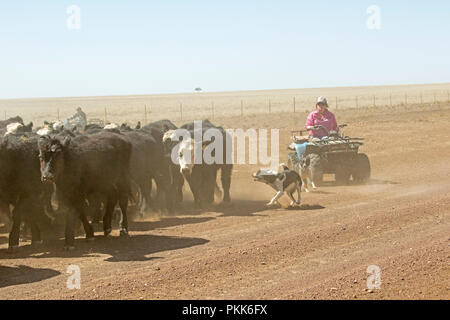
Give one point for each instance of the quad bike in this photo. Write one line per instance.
(335, 153)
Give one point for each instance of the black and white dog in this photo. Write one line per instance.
(306, 168)
(286, 181)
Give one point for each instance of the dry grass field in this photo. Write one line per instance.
(220, 104)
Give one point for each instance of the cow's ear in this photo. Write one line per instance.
(66, 141)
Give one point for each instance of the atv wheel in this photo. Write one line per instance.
(361, 171)
(342, 175)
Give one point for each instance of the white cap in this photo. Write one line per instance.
(322, 100)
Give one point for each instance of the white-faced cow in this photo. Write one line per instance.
(202, 174)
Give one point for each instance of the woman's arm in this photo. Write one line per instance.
(309, 121)
(334, 123)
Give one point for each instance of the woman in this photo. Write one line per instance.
(321, 116)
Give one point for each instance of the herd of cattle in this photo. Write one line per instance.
(88, 172)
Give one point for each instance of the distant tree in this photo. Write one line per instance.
(198, 89)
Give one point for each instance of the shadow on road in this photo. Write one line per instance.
(10, 276)
(307, 207)
(132, 248)
(242, 208)
(166, 223)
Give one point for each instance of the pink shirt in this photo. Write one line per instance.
(327, 120)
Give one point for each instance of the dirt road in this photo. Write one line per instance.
(400, 222)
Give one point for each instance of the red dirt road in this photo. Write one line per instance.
(400, 221)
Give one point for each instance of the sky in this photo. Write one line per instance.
(170, 46)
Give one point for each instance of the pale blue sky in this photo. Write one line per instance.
(145, 47)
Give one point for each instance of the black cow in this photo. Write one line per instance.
(161, 125)
(157, 129)
(20, 129)
(21, 187)
(4, 123)
(147, 163)
(85, 165)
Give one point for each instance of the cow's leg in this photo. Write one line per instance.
(179, 189)
(69, 232)
(177, 181)
(142, 203)
(150, 202)
(111, 201)
(225, 176)
(81, 211)
(195, 192)
(13, 243)
(95, 208)
(144, 193)
(162, 193)
(208, 184)
(195, 183)
(123, 203)
(35, 234)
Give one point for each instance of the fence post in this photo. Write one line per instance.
(242, 108)
(294, 104)
(105, 116)
(181, 111)
(58, 114)
(435, 98)
(356, 98)
(212, 109)
(374, 103)
(145, 114)
(406, 98)
(336, 103)
(390, 100)
(448, 96)
(421, 98)
(5, 114)
(270, 107)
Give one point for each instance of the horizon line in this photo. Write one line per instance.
(225, 91)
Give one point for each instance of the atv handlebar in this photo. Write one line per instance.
(328, 133)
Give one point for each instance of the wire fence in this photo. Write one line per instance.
(147, 110)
